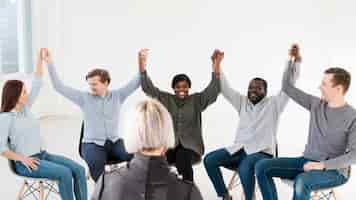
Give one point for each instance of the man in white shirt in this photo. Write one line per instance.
(256, 134)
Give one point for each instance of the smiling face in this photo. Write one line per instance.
(335, 83)
(97, 87)
(181, 89)
(329, 90)
(98, 80)
(256, 91)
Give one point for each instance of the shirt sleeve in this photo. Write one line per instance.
(74, 95)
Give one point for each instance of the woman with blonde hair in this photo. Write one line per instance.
(148, 174)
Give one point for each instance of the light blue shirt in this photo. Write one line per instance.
(20, 131)
(101, 114)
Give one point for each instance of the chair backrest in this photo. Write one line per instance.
(12, 166)
(11, 162)
(80, 140)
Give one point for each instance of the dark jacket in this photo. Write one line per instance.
(145, 178)
(186, 113)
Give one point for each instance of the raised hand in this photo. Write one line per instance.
(294, 53)
(142, 59)
(45, 56)
(217, 58)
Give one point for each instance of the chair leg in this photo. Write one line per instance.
(333, 193)
(19, 194)
(41, 190)
(231, 183)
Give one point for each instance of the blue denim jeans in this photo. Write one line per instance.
(97, 156)
(292, 168)
(240, 161)
(61, 169)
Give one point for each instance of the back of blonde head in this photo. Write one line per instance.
(152, 127)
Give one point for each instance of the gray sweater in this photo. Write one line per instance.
(101, 114)
(332, 131)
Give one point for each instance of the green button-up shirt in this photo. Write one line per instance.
(186, 113)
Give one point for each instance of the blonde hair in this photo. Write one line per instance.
(151, 129)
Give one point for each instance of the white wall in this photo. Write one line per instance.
(181, 36)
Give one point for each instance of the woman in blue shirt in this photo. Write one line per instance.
(20, 140)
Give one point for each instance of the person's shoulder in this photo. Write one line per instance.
(351, 111)
(6, 116)
(351, 108)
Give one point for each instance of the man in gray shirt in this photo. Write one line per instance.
(101, 107)
(331, 146)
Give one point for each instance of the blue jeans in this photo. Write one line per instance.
(292, 168)
(240, 161)
(62, 170)
(97, 156)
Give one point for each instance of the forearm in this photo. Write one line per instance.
(72, 94)
(53, 75)
(294, 93)
(147, 85)
(39, 68)
(129, 88)
(12, 155)
(341, 161)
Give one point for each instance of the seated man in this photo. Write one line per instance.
(331, 146)
(101, 108)
(256, 135)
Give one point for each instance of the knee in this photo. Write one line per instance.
(246, 169)
(79, 171)
(261, 167)
(209, 161)
(64, 174)
(300, 185)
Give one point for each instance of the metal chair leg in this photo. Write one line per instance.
(231, 183)
(19, 194)
(41, 190)
(334, 194)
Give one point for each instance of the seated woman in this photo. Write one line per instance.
(148, 175)
(20, 140)
(186, 110)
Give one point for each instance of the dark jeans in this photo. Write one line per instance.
(240, 161)
(68, 173)
(292, 168)
(97, 156)
(182, 158)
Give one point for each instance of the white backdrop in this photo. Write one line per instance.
(181, 36)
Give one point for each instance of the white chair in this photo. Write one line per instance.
(37, 188)
(235, 183)
(324, 194)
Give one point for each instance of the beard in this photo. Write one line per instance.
(255, 99)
